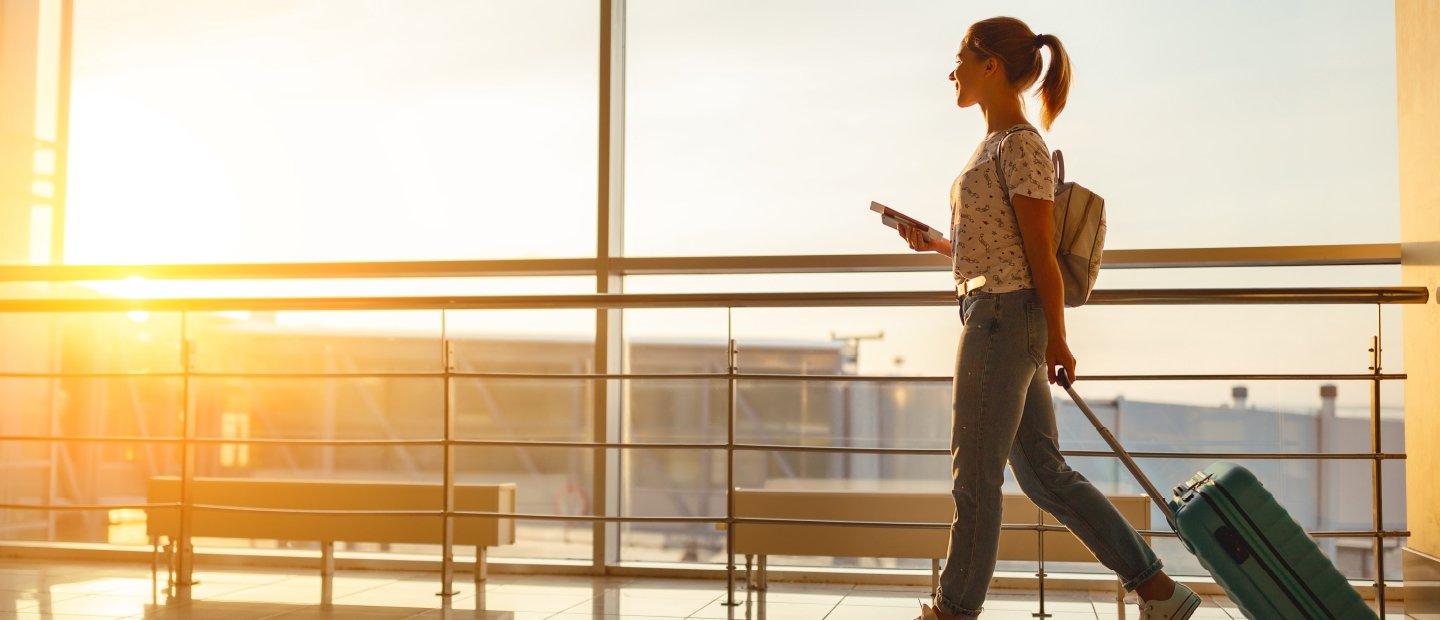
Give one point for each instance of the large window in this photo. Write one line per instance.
(218, 131)
(767, 128)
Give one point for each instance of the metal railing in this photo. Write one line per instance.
(1156, 258)
(187, 441)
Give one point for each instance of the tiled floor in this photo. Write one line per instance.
(58, 590)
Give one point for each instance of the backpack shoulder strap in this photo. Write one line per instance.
(1004, 187)
(1000, 148)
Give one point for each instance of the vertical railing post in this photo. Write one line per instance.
(730, 370)
(184, 549)
(447, 528)
(1376, 471)
(52, 426)
(1040, 553)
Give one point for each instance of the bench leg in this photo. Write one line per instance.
(154, 567)
(479, 568)
(327, 572)
(934, 577)
(1120, 598)
(764, 577)
(169, 567)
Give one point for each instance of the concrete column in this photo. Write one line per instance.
(1417, 46)
(34, 85)
(19, 30)
(609, 245)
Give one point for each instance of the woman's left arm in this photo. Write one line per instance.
(1035, 220)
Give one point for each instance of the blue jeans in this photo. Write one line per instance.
(1001, 409)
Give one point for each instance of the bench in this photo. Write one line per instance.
(327, 528)
(853, 502)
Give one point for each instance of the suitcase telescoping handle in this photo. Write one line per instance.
(1165, 509)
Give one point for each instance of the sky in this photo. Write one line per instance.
(217, 131)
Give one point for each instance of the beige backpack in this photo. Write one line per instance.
(1079, 227)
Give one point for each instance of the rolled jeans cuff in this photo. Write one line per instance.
(944, 605)
(1144, 575)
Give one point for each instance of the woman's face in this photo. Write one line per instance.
(971, 77)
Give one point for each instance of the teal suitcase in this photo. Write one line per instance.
(1247, 541)
(1260, 555)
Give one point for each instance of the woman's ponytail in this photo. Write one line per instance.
(1056, 86)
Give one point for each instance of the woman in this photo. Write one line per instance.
(1013, 325)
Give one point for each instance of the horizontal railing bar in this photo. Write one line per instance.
(592, 375)
(551, 517)
(91, 375)
(1299, 456)
(1258, 256)
(322, 512)
(227, 440)
(523, 443)
(1088, 453)
(318, 375)
(686, 376)
(1359, 533)
(496, 443)
(1249, 296)
(1188, 296)
(87, 506)
(590, 518)
(1314, 534)
(92, 439)
(527, 443)
(1254, 256)
(1048, 527)
(519, 443)
(1037, 527)
(317, 442)
(1186, 377)
(315, 270)
(456, 513)
(1353, 376)
(1034, 527)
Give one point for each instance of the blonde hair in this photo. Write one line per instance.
(1017, 48)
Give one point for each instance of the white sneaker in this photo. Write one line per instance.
(1181, 605)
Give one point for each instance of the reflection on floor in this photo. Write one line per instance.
(31, 589)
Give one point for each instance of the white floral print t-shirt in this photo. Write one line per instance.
(984, 234)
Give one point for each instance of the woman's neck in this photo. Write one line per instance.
(1002, 115)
